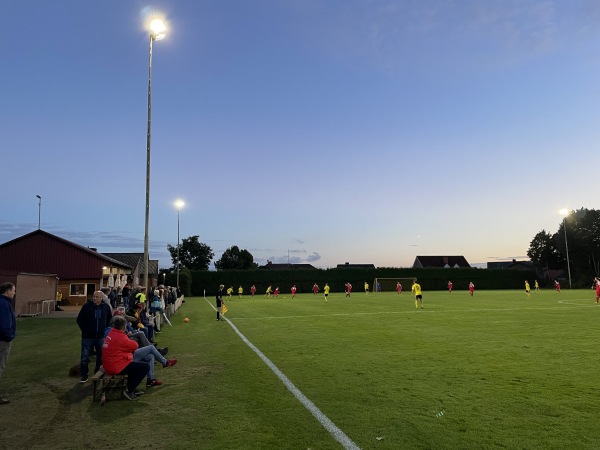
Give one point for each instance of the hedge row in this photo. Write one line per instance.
(430, 279)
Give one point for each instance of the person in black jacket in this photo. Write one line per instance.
(93, 318)
(8, 326)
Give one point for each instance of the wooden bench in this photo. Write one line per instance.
(104, 383)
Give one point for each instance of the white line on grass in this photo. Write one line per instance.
(337, 434)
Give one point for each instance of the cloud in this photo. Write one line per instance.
(313, 257)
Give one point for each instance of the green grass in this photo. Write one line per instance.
(497, 370)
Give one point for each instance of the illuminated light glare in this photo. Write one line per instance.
(179, 204)
(158, 29)
(564, 212)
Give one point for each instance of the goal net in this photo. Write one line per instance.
(390, 284)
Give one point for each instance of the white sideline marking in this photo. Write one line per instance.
(337, 434)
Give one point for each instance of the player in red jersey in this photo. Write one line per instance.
(315, 289)
(471, 288)
(348, 289)
(557, 285)
(399, 288)
(276, 292)
(597, 282)
(253, 290)
(450, 286)
(293, 291)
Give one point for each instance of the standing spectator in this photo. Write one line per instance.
(93, 318)
(126, 293)
(105, 291)
(8, 326)
(219, 301)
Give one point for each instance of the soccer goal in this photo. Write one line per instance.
(390, 284)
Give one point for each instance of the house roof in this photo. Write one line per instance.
(133, 259)
(514, 264)
(441, 262)
(286, 266)
(355, 266)
(43, 252)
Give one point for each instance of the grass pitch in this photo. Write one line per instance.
(497, 370)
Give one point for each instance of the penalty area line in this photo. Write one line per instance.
(337, 434)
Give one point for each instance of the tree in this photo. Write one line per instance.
(193, 254)
(234, 258)
(542, 250)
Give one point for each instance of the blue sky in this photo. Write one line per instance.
(324, 131)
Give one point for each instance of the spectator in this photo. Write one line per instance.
(8, 326)
(93, 318)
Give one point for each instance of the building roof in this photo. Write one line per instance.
(441, 262)
(355, 266)
(133, 259)
(43, 252)
(514, 264)
(285, 266)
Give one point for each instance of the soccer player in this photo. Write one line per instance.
(471, 288)
(348, 289)
(557, 285)
(293, 291)
(378, 287)
(326, 291)
(366, 288)
(416, 289)
(229, 291)
(399, 288)
(253, 290)
(597, 282)
(268, 293)
(276, 292)
(315, 289)
(240, 291)
(450, 287)
(527, 289)
(536, 286)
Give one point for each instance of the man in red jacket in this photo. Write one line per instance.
(117, 358)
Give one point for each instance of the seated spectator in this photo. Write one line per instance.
(117, 353)
(141, 322)
(135, 335)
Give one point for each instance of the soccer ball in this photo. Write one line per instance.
(186, 320)
(284, 296)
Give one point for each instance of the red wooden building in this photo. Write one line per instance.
(79, 270)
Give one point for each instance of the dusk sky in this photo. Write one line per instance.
(323, 131)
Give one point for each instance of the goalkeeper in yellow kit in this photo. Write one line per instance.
(416, 289)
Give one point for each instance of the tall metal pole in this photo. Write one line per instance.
(567, 247)
(39, 211)
(177, 285)
(146, 249)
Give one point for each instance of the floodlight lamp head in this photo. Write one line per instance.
(179, 204)
(157, 29)
(564, 212)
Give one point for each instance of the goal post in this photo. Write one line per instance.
(389, 284)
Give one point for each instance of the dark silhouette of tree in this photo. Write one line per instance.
(235, 259)
(193, 254)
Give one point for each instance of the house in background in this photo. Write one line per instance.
(136, 262)
(80, 270)
(286, 266)
(442, 262)
(355, 266)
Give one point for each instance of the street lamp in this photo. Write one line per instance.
(157, 32)
(39, 211)
(178, 204)
(565, 212)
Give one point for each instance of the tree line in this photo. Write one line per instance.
(579, 231)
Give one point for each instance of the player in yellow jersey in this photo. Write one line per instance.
(366, 288)
(240, 291)
(527, 289)
(536, 285)
(229, 291)
(416, 289)
(326, 291)
(268, 293)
